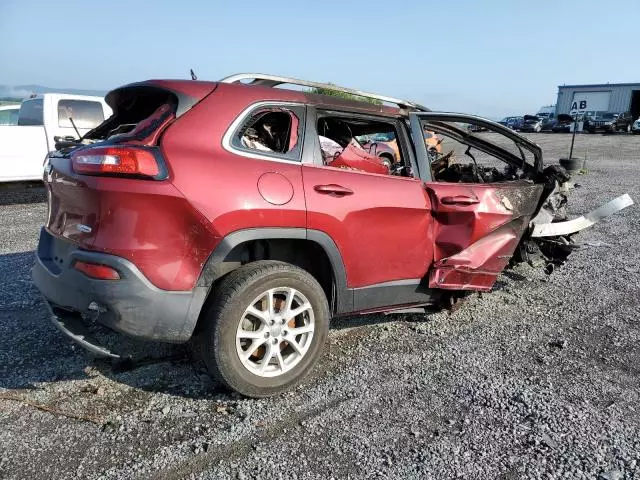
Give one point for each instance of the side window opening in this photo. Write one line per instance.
(31, 113)
(460, 157)
(361, 144)
(274, 131)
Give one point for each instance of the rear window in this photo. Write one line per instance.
(31, 112)
(9, 116)
(85, 113)
(138, 112)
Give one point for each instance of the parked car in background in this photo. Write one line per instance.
(9, 114)
(42, 121)
(476, 128)
(384, 145)
(531, 123)
(622, 122)
(563, 123)
(547, 110)
(514, 123)
(635, 128)
(599, 122)
(548, 121)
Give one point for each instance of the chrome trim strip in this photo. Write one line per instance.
(393, 283)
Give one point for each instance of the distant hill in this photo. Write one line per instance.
(19, 92)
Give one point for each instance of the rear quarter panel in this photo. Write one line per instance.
(147, 222)
(219, 184)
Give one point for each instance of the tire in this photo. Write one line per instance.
(387, 160)
(251, 285)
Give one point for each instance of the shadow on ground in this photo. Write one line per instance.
(33, 351)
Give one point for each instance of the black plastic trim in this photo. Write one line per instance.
(131, 305)
(72, 325)
(214, 268)
(398, 292)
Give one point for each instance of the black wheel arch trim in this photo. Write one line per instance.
(212, 269)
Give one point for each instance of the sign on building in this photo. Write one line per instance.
(590, 101)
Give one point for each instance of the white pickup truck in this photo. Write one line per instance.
(42, 119)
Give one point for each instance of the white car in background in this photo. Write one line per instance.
(9, 114)
(42, 119)
(635, 128)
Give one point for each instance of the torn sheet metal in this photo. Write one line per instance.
(580, 223)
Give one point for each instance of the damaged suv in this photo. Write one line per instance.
(247, 216)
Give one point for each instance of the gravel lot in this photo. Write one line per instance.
(538, 379)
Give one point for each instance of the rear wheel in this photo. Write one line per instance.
(265, 328)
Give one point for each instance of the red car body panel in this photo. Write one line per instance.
(382, 229)
(223, 186)
(476, 230)
(149, 223)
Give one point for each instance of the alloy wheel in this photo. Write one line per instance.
(275, 332)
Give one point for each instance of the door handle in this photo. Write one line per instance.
(459, 200)
(333, 189)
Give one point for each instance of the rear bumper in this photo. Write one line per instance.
(131, 305)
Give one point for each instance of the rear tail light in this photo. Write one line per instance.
(97, 271)
(121, 161)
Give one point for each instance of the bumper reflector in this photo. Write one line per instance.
(94, 270)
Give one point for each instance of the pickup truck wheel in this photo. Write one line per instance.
(265, 329)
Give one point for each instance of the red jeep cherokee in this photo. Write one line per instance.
(250, 215)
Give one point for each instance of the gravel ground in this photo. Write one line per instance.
(538, 379)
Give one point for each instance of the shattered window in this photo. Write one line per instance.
(272, 131)
(466, 153)
(360, 144)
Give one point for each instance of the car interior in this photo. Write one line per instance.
(466, 157)
(375, 140)
(271, 130)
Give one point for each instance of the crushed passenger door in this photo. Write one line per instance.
(477, 224)
(477, 228)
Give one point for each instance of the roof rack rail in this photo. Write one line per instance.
(275, 80)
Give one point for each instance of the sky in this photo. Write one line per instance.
(491, 57)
